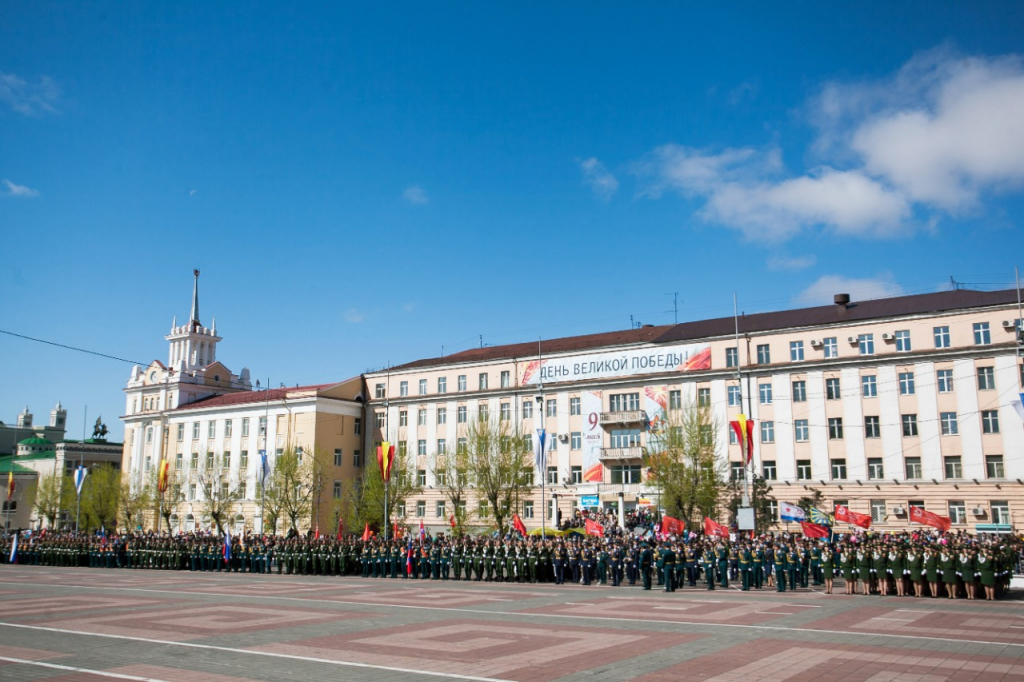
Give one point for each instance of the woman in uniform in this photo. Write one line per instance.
(879, 570)
(931, 570)
(947, 563)
(864, 569)
(849, 559)
(828, 568)
(897, 567)
(915, 563)
(965, 569)
(986, 565)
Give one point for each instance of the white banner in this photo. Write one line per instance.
(679, 358)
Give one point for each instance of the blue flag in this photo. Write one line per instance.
(227, 544)
(541, 451)
(264, 468)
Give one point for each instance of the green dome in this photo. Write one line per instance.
(35, 441)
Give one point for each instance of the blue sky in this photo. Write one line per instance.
(368, 185)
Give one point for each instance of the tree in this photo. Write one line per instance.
(133, 500)
(314, 466)
(499, 466)
(53, 494)
(290, 481)
(165, 503)
(814, 498)
(101, 497)
(684, 464)
(366, 503)
(452, 472)
(220, 490)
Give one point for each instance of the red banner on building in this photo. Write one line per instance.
(844, 514)
(927, 518)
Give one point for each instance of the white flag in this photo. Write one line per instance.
(80, 473)
(1018, 406)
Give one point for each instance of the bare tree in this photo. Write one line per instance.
(54, 493)
(499, 465)
(221, 491)
(165, 503)
(452, 471)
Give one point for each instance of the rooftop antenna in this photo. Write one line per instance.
(955, 285)
(675, 305)
(481, 340)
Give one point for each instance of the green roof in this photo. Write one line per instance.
(49, 454)
(35, 441)
(6, 464)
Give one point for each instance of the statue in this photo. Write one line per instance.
(99, 431)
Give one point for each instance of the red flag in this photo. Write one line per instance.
(813, 530)
(161, 481)
(595, 528)
(927, 518)
(316, 533)
(844, 514)
(385, 458)
(451, 520)
(341, 528)
(714, 530)
(744, 429)
(671, 526)
(423, 531)
(518, 524)
(367, 533)
(395, 530)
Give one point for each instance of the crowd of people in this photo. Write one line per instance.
(949, 565)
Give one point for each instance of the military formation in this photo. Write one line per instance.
(950, 566)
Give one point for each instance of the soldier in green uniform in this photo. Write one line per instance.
(646, 561)
(710, 562)
(746, 560)
(828, 567)
(669, 561)
(781, 567)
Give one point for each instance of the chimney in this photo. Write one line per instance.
(842, 300)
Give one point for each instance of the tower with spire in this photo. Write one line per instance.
(192, 346)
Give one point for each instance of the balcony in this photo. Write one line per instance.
(618, 454)
(627, 417)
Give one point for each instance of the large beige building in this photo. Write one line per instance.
(878, 404)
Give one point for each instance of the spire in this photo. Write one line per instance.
(194, 320)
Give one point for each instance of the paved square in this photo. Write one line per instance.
(100, 624)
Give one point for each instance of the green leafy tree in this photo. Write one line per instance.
(366, 503)
(499, 465)
(101, 497)
(54, 493)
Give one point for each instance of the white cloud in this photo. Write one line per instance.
(783, 262)
(601, 181)
(414, 194)
(14, 190)
(28, 98)
(822, 291)
(353, 316)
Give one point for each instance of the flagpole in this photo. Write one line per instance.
(543, 457)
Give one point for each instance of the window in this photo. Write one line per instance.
(948, 422)
(832, 389)
(835, 428)
(577, 474)
(462, 382)
(194, 461)
(878, 511)
(764, 355)
(909, 425)
(704, 397)
(357, 456)
(736, 471)
(552, 475)
(941, 336)
(441, 476)
(528, 409)
(866, 344)
(195, 429)
(839, 470)
(773, 510)
(734, 397)
(403, 389)
(796, 351)
(799, 391)
(869, 386)
(380, 418)
(229, 428)
(483, 412)
(732, 357)
(506, 378)
(830, 346)
(623, 402)
(357, 426)
(994, 466)
(461, 445)
(982, 335)
(421, 476)
(576, 440)
(872, 427)
(403, 417)
(400, 511)
(945, 379)
(483, 381)
(803, 469)
(192, 491)
(957, 512)
(801, 430)
(1000, 512)
(421, 508)
(764, 392)
(338, 459)
(574, 406)
(989, 421)
(733, 440)
(460, 414)
(337, 490)
(442, 384)
(629, 473)
(209, 460)
(423, 386)
(876, 471)
(954, 469)
(442, 446)
(625, 438)
(421, 448)
(912, 466)
(552, 408)
(903, 341)
(505, 411)
(442, 415)
(528, 509)
(379, 392)
(439, 509)
(767, 432)
(211, 430)
(986, 378)
(768, 471)
(181, 432)
(177, 461)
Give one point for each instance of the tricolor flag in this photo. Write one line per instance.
(744, 429)
(264, 468)
(714, 530)
(821, 518)
(791, 512)
(813, 530)
(541, 453)
(408, 557)
(844, 514)
(927, 518)
(227, 544)
(520, 527)
(161, 479)
(595, 528)
(423, 531)
(14, 550)
(671, 526)
(80, 473)
(1018, 405)
(385, 459)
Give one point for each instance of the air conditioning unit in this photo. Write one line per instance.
(815, 343)
(898, 511)
(887, 337)
(564, 437)
(853, 340)
(1009, 324)
(978, 511)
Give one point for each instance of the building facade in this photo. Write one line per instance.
(879, 405)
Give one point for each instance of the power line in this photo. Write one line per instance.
(74, 348)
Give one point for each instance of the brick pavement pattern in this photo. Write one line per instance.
(97, 624)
